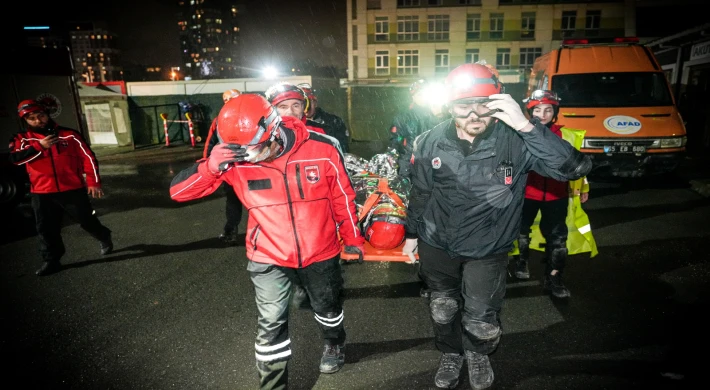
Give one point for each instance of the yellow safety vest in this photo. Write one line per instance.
(579, 230)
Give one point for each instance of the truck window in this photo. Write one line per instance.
(623, 89)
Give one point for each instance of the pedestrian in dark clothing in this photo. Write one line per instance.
(469, 175)
(233, 207)
(333, 125)
(301, 204)
(56, 159)
(419, 117)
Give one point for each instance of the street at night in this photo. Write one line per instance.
(173, 307)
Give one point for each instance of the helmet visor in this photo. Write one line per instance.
(540, 94)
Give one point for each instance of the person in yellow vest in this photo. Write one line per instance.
(547, 202)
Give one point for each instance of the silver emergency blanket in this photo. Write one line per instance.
(365, 175)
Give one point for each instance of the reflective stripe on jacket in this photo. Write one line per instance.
(59, 168)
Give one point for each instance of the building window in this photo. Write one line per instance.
(433, 2)
(496, 26)
(353, 9)
(441, 61)
(407, 3)
(527, 25)
(407, 62)
(382, 62)
(528, 56)
(354, 37)
(382, 29)
(471, 56)
(592, 20)
(407, 28)
(469, 2)
(569, 23)
(473, 26)
(374, 4)
(503, 59)
(438, 28)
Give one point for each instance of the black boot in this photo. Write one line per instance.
(556, 259)
(521, 260)
(48, 268)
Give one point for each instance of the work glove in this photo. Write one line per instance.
(224, 154)
(356, 249)
(410, 248)
(508, 111)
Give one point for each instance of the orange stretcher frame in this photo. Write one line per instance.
(373, 254)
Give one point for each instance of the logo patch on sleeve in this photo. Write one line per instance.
(436, 163)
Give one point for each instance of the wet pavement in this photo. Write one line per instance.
(173, 308)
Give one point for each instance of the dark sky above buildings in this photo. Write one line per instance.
(273, 32)
(278, 32)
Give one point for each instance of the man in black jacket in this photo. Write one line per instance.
(468, 183)
(333, 125)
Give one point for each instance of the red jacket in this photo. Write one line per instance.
(297, 203)
(59, 168)
(543, 188)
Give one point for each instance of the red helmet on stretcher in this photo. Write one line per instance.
(384, 229)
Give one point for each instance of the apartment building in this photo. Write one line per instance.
(96, 56)
(209, 39)
(403, 40)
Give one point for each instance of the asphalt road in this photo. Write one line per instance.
(173, 308)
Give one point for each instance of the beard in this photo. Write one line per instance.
(474, 126)
(45, 128)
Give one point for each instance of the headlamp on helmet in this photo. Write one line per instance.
(541, 96)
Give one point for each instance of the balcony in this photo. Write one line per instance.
(558, 35)
(510, 35)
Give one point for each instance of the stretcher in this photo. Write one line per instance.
(374, 254)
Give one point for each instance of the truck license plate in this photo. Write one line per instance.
(624, 149)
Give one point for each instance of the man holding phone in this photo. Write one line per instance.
(63, 170)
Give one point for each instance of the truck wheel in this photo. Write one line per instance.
(12, 191)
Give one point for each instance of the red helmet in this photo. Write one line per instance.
(472, 80)
(284, 91)
(310, 92)
(247, 119)
(29, 106)
(541, 96)
(384, 228)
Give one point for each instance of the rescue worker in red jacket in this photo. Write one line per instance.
(56, 159)
(233, 208)
(294, 184)
(550, 197)
(291, 100)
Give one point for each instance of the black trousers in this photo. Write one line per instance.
(233, 209)
(466, 299)
(553, 216)
(49, 211)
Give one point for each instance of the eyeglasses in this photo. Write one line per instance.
(540, 94)
(475, 106)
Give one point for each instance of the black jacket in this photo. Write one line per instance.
(333, 126)
(460, 201)
(406, 126)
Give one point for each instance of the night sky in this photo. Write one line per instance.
(274, 32)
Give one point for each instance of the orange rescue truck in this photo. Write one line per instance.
(616, 91)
